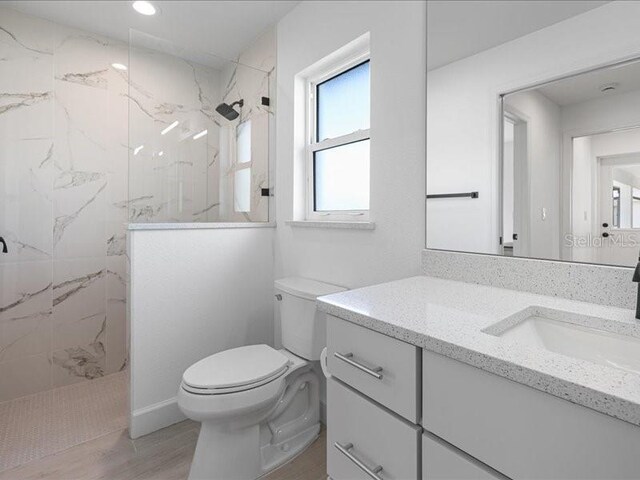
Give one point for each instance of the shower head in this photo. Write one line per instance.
(227, 111)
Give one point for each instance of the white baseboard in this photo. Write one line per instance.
(154, 417)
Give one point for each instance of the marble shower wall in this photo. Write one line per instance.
(174, 177)
(63, 205)
(250, 79)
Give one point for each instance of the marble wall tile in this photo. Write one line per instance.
(25, 336)
(78, 363)
(25, 71)
(116, 334)
(24, 376)
(26, 125)
(25, 289)
(177, 185)
(79, 319)
(79, 221)
(79, 303)
(25, 217)
(117, 166)
(64, 145)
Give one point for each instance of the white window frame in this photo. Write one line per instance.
(312, 145)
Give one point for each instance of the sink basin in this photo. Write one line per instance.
(571, 335)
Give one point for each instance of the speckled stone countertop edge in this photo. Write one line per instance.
(595, 399)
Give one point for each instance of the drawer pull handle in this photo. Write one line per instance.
(344, 449)
(348, 358)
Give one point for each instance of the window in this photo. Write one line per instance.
(338, 147)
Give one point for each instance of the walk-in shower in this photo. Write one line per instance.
(96, 133)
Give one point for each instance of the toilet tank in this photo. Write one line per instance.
(303, 327)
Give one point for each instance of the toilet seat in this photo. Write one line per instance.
(235, 370)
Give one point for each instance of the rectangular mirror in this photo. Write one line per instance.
(567, 180)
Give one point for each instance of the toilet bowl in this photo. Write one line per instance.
(259, 407)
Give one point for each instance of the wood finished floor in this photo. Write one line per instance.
(162, 455)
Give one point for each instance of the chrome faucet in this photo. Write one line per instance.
(636, 278)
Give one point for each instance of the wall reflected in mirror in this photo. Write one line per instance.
(567, 182)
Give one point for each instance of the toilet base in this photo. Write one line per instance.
(226, 454)
(275, 455)
(234, 451)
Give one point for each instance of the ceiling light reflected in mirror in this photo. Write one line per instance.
(144, 8)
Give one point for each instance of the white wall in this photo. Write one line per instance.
(188, 300)
(307, 34)
(615, 143)
(462, 113)
(543, 170)
(602, 114)
(583, 192)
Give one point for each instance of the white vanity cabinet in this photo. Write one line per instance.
(395, 411)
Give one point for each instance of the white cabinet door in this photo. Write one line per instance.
(362, 435)
(523, 432)
(443, 462)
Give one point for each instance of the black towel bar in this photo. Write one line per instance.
(454, 195)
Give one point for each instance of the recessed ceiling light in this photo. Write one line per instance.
(200, 135)
(144, 8)
(160, 153)
(169, 128)
(119, 66)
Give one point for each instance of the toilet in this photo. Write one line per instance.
(259, 407)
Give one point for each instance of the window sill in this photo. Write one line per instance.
(198, 225)
(332, 224)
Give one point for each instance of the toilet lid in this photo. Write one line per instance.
(236, 367)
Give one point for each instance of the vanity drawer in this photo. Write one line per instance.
(441, 461)
(368, 434)
(523, 432)
(355, 354)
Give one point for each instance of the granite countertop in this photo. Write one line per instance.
(448, 317)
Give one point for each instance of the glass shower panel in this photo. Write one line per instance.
(195, 121)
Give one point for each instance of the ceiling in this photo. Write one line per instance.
(583, 88)
(460, 28)
(223, 28)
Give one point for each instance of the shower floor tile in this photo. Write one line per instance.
(44, 423)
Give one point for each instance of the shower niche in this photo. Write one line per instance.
(199, 133)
